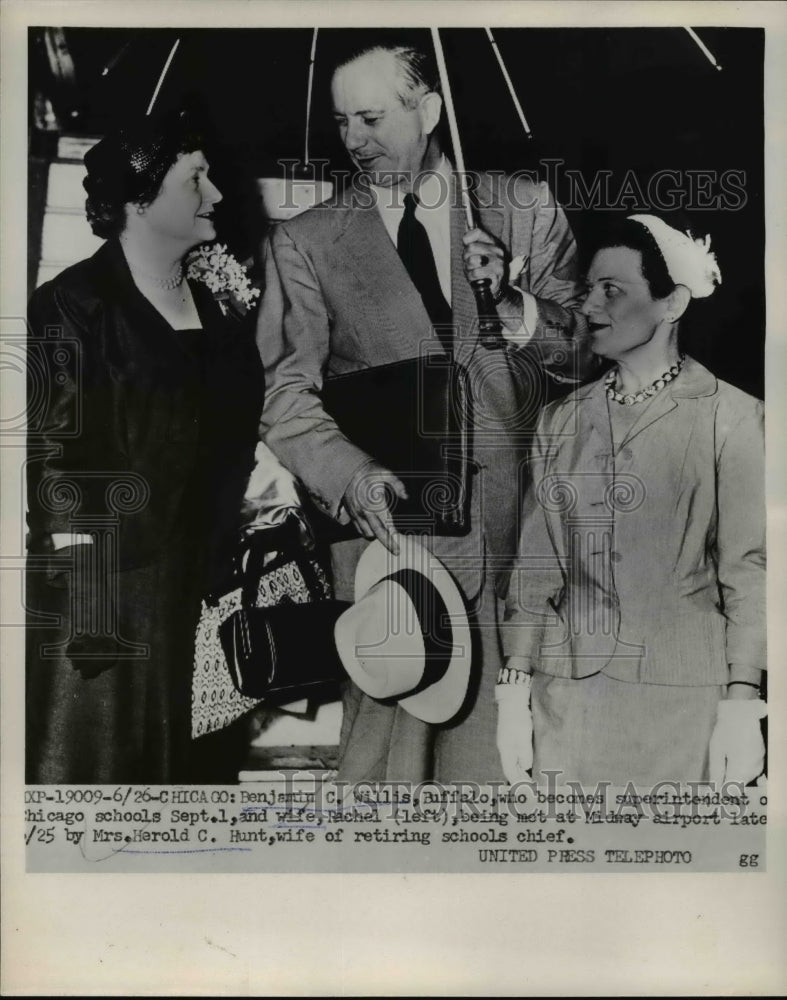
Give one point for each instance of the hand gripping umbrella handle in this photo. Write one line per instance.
(490, 327)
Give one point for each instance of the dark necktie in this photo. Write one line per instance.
(416, 253)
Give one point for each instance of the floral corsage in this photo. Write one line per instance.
(226, 278)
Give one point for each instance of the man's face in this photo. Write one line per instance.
(384, 138)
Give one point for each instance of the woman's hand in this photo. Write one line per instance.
(514, 731)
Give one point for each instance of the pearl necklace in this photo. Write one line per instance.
(168, 284)
(629, 399)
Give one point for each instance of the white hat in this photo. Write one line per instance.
(689, 261)
(407, 636)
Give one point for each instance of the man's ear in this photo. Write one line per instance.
(678, 302)
(429, 108)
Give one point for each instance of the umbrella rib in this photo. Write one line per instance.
(163, 74)
(509, 83)
(309, 97)
(453, 127)
(703, 48)
(116, 58)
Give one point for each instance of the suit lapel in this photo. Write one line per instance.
(490, 208)
(377, 265)
(660, 406)
(694, 380)
(463, 307)
(594, 410)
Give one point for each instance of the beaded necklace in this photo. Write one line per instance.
(629, 399)
(166, 283)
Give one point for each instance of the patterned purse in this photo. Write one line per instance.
(273, 571)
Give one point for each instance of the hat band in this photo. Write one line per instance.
(432, 614)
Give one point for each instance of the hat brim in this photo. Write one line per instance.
(443, 699)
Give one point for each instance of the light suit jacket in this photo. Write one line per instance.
(645, 560)
(338, 298)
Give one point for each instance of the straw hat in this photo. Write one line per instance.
(407, 636)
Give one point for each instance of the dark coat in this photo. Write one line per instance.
(144, 435)
(127, 404)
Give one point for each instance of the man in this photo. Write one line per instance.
(339, 297)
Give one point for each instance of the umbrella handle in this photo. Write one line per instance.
(489, 325)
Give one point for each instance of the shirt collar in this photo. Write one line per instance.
(434, 190)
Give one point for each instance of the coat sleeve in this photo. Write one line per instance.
(536, 578)
(551, 275)
(293, 337)
(740, 470)
(70, 448)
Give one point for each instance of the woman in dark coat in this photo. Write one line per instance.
(144, 399)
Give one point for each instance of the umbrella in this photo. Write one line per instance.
(673, 112)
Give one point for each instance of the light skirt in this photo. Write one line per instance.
(600, 729)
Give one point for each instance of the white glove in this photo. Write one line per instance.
(737, 749)
(514, 731)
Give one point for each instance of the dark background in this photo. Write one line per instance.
(641, 100)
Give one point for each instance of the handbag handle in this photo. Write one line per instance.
(309, 574)
(284, 539)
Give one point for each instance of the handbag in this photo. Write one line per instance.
(271, 569)
(413, 417)
(283, 650)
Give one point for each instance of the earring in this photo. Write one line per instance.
(140, 209)
(670, 318)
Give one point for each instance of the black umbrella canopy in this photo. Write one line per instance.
(610, 109)
(642, 92)
(600, 96)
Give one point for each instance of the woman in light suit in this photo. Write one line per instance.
(635, 619)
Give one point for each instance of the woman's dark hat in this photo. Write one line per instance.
(130, 163)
